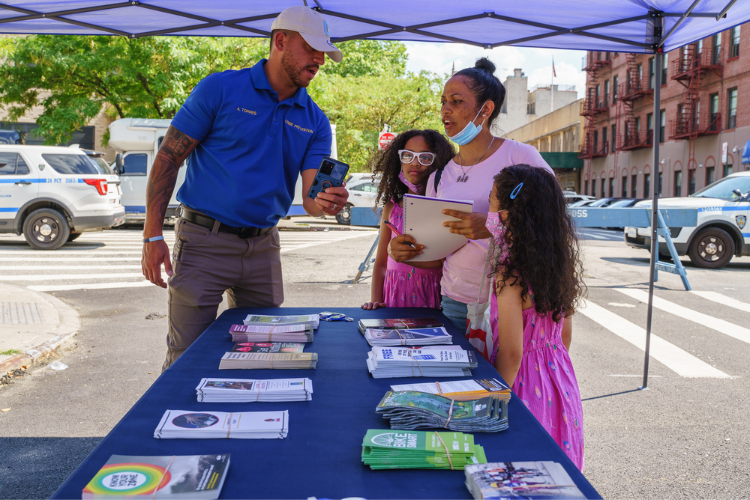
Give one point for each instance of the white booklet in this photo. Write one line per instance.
(181, 424)
(423, 219)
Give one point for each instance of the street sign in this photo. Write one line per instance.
(384, 139)
(724, 152)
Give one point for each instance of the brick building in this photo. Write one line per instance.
(703, 124)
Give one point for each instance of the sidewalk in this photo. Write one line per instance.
(315, 224)
(32, 325)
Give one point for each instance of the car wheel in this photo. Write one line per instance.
(73, 236)
(345, 216)
(46, 229)
(712, 248)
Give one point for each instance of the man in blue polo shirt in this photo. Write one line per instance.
(249, 135)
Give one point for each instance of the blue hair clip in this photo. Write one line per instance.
(515, 191)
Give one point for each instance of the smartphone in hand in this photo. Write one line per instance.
(331, 173)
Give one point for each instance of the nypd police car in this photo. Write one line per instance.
(722, 231)
(53, 194)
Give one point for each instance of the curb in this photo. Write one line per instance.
(68, 327)
(326, 229)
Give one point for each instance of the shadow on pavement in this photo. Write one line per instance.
(609, 395)
(47, 460)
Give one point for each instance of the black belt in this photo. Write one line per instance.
(208, 222)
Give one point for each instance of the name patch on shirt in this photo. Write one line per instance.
(302, 129)
(248, 111)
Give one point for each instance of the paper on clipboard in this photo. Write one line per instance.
(423, 219)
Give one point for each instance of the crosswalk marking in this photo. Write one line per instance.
(90, 286)
(724, 300)
(69, 268)
(711, 322)
(65, 277)
(668, 354)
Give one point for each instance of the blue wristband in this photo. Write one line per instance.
(155, 238)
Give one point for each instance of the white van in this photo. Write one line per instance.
(53, 194)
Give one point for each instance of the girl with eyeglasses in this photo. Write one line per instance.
(404, 168)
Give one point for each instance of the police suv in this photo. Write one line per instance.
(722, 232)
(53, 194)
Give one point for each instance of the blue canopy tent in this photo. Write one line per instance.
(641, 26)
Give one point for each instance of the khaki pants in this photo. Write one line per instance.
(207, 263)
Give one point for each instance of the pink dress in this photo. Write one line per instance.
(407, 286)
(546, 382)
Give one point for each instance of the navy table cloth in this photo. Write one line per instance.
(321, 456)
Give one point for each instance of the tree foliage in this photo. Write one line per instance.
(75, 77)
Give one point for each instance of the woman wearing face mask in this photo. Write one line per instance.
(471, 101)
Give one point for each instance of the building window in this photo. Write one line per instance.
(651, 81)
(586, 188)
(624, 186)
(614, 89)
(650, 127)
(728, 168)
(664, 66)
(732, 108)
(691, 181)
(709, 175)
(716, 52)
(614, 138)
(634, 186)
(661, 175)
(605, 144)
(734, 47)
(646, 185)
(604, 188)
(699, 49)
(662, 124)
(678, 183)
(593, 188)
(606, 91)
(713, 100)
(596, 99)
(638, 84)
(611, 186)
(596, 141)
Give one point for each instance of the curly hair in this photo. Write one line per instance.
(543, 251)
(388, 164)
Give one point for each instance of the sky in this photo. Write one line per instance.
(535, 63)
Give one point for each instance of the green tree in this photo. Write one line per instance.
(361, 106)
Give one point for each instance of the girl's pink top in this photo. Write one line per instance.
(407, 286)
(462, 270)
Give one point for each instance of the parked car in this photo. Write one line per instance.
(625, 202)
(721, 233)
(581, 203)
(573, 197)
(363, 190)
(52, 194)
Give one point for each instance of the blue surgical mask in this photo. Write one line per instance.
(469, 132)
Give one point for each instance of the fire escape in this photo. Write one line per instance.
(636, 86)
(594, 104)
(688, 70)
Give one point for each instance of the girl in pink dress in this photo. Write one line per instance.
(404, 168)
(537, 283)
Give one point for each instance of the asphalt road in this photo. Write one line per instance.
(684, 437)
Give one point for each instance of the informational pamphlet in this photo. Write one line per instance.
(272, 333)
(389, 449)
(513, 480)
(389, 362)
(460, 390)
(268, 361)
(182, 424)
(419, 410)
(268, 347)
(398, 323)
(226, 390)
(258, 319)
(408, 336)
(199, 477)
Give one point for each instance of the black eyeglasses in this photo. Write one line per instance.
(425, 158)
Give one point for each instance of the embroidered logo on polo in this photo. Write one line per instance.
(248, 111)
(295, 126)
(741, 220)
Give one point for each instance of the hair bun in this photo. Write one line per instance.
(485, 65)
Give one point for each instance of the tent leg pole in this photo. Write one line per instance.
(654, 212)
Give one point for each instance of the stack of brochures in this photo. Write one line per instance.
(398, 323)
(389, 362)
(257, 319)
(224, 390)
(268, 361)
(501, 480)
(387, 449)
(181, 424)
(268, 347)
(408, 336)
(299, 332)
(460, 390)
(139, 477)
(419, 410)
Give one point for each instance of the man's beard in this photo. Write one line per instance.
(294, 70)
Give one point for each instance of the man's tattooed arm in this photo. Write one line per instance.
(175, 148)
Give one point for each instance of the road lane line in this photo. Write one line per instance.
(60, 277)
(711, 322)
(67, 268)
(90, 286)
(724, 300)
(70, 259)
(668, 354)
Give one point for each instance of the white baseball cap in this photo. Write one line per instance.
(311, 25)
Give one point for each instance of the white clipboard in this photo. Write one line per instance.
(423, 220)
